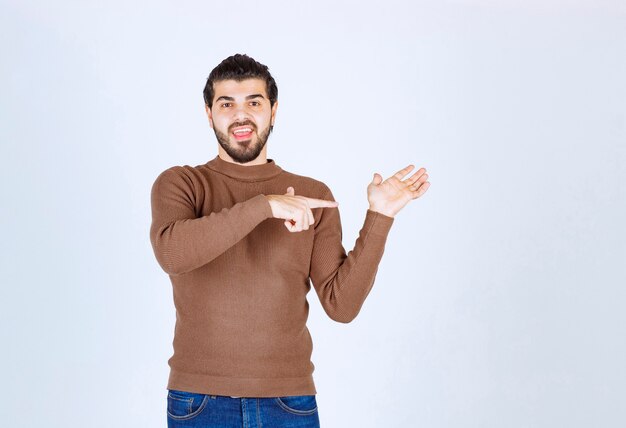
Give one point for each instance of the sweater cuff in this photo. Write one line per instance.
(264, 204)
(380, 223)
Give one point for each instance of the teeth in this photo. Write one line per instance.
(243, 131)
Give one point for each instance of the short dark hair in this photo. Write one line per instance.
(240, 67)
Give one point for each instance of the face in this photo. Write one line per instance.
(241, 117)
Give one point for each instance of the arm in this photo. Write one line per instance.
(342, 282)
(181, 241)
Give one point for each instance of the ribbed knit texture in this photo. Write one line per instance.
(240, 278)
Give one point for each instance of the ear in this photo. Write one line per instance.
(210, 116)
(274, 107)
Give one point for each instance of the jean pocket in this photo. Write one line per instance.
(298, 404)
(185, 405)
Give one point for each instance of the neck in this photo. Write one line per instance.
(260, 160)
(251, 171)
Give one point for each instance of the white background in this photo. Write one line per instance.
(500, 299)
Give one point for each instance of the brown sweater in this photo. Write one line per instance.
(240, 278)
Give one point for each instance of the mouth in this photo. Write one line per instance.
(243, 132)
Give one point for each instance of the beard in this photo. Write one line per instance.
(243, 151)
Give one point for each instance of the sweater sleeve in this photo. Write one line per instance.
(342, 282)
(182, 241)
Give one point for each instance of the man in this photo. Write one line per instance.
(242, 240)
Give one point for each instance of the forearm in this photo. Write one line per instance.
(344, 292)
(183, 245)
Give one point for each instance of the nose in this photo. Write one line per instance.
(240, 114)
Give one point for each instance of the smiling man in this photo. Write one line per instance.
(243, 240)
(236, 117)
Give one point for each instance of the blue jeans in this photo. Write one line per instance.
(191, 410)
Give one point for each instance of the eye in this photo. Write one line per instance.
(255, 103)
(224, 104)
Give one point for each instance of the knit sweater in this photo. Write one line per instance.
(240, 278)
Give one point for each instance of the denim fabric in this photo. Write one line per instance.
(190, 409)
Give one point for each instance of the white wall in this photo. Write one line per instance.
(500, 298)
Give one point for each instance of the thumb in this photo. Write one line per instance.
(290, 191)
(377, 179)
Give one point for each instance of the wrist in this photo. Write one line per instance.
(381, 211)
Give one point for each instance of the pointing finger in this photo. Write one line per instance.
(317, 203)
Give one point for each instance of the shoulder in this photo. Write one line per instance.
(179, 176)
(185, 172)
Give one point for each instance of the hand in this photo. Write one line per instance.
(390, 196)
(296, 210)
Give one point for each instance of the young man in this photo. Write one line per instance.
(242, 240)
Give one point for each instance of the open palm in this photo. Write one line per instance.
(390, 196)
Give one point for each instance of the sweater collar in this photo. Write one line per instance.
(245, 173)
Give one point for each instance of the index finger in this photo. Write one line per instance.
(317, 203)
(404, 171)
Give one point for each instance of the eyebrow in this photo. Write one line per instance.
(249, 97)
